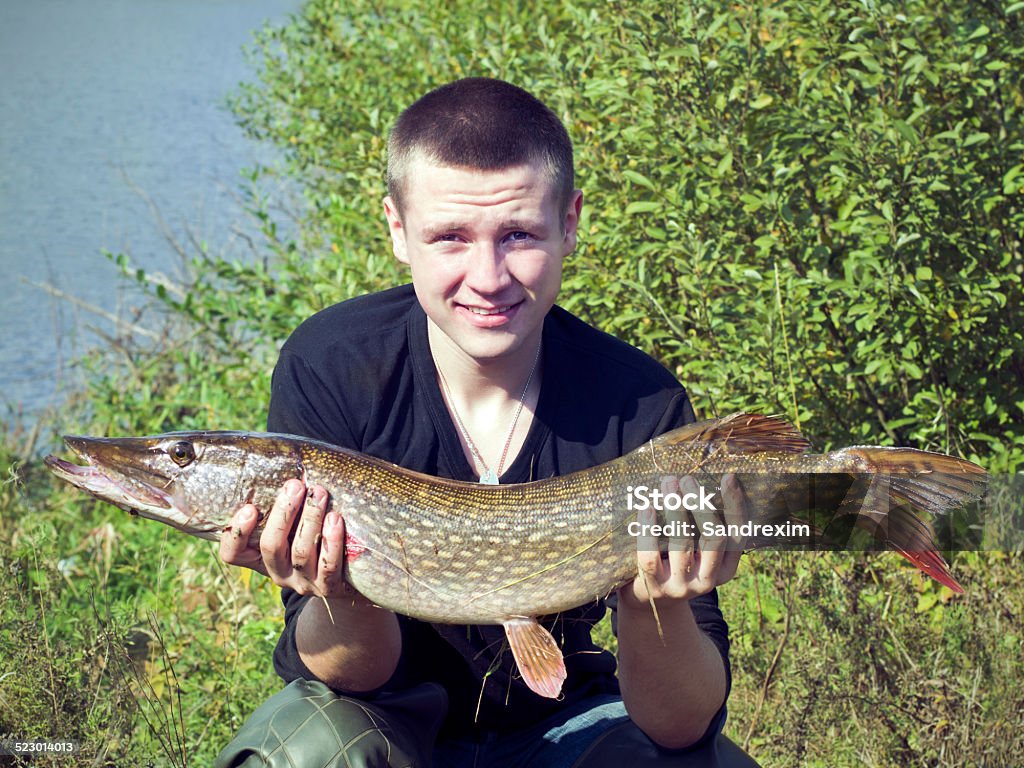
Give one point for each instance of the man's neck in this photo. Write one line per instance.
(491, 402)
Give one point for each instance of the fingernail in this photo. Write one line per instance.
(246, 514)
(293, 487)
(332, 521)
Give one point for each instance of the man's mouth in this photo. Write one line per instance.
(494, 311)
(486, 317)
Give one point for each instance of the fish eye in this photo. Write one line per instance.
(182, 453)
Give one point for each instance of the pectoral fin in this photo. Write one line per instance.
(537, 655)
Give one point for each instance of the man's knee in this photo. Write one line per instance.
(307, 724)
(625, 744)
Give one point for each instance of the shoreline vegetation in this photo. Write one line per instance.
(812, 209)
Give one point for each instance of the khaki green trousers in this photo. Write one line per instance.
(307, 725)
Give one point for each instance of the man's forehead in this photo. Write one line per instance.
(421, 166)
(434, 188)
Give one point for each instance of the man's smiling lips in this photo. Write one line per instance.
(495, 311)
(488, 317)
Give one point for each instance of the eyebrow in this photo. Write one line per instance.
(509, 225)
(441, 228)
(516, 224)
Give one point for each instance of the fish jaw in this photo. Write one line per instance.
(117, 476)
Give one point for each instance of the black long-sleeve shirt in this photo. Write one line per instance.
(360, 374)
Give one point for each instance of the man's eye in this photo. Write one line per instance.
(519, 236)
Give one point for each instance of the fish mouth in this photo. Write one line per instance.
(118, 488)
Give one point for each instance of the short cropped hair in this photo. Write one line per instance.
(482, 124)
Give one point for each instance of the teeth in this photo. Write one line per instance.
(495, 311)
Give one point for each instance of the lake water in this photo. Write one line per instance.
(91, 94)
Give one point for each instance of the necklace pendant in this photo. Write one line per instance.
(489, 477)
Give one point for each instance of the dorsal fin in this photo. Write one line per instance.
(741, 433)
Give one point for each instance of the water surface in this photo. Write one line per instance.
(91, 94)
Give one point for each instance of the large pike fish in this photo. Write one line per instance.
(464, 553)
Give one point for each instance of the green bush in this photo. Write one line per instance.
(809, 208)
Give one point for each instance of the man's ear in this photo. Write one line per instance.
(397, 230)
(572, 220)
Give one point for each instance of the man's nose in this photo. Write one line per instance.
(487, 271)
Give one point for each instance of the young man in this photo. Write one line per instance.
(472, 373)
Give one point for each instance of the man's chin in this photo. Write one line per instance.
(492, 347)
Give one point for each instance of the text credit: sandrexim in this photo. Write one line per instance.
(641, 498)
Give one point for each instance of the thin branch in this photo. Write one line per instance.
(763, 695)
(123, 325)
(154, 209)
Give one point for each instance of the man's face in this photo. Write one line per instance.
(485, 249)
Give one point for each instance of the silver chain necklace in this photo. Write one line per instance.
(490, 476)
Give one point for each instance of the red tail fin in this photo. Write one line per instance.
(932, 564)
(910, 483)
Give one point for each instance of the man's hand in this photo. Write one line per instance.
(343, 639)
(311, 560)
(689, 571)
(671, 674)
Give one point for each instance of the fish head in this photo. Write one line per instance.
(193, 481)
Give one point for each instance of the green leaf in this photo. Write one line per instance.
(912, 369)
(638, 178)
(981, 31)
(751, 202)
(642, 206)
(1010, 184)
(907, 237)
(887, 213)
(724, 165)
(847, 207)
(926, 601)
